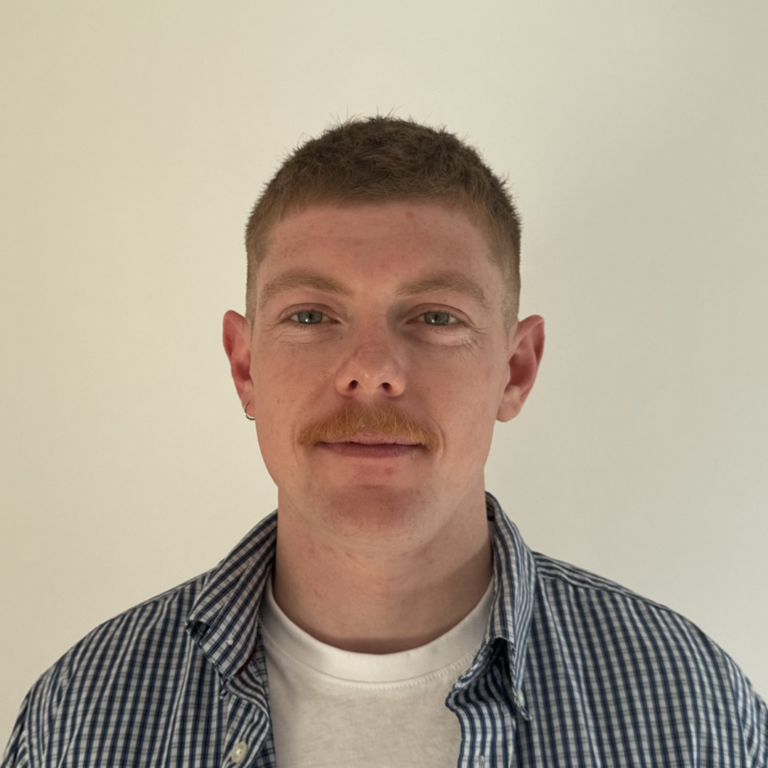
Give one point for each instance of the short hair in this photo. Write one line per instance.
(386, 159)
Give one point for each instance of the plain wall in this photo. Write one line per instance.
(135, 138)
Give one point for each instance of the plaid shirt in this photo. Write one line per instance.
(574, 670)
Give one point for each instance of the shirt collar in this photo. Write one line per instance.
(224, 617)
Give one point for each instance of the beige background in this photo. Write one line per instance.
(136, 137)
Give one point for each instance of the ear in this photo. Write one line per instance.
(237, 337)
(526, 350)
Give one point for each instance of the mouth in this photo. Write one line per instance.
(371, 450)
(371, 437)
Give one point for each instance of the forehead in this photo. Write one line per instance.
(434, 245)
(370, 221)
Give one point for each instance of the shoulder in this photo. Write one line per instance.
(553, 573)
(578, 597)
(124, 648)
(159, 619)
(618, 639)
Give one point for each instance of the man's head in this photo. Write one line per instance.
(384, 308)
(383, 159)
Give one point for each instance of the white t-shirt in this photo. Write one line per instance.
(333, 708)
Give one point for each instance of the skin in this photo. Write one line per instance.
(380, 555)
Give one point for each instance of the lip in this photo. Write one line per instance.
(371, 437)
(361, 451)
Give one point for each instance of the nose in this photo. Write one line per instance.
(372, 362)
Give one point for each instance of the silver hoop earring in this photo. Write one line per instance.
(250, 418)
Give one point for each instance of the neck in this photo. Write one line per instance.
(395, 580)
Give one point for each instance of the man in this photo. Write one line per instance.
(388, 613)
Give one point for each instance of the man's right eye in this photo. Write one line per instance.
(305, 312)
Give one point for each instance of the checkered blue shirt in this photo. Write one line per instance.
(573, 671)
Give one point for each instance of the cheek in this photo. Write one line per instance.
(287, 389)
(459, 396)
(479, 393)
(273, 373)
(465, 375)
(272, 395)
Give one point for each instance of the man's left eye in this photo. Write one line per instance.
(441, 314)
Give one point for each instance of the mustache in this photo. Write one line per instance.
(355, 417)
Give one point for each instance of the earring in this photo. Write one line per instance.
(250, 418)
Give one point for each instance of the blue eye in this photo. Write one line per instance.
(440, 312)
(434, 312)
(307, 312)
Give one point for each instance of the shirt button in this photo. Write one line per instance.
(238, 753)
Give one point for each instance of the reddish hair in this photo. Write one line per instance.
(383, 159)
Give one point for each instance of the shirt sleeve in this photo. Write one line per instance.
(753, 718)
(16, 752)
(27, 746)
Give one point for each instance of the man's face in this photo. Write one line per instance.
(428, 366)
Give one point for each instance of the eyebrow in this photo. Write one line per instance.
(456, 282)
